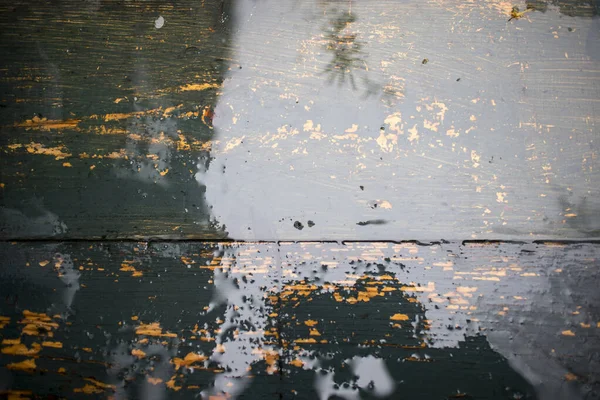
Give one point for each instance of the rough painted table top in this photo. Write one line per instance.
(300, 199)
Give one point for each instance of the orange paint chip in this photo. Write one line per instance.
(38, 148)
(570, 376)
(314, 332)
(154, 381)
(67, 164)
(35, 321)
(188, 360)
(399, 317)
(22, 350)
(311, 340)
(568, 333)
(134, 318)
(100, 384)
(198, 87)
(17, 394)
(86, 349)
(88, 389)
(310, 322)
(44, 263)
(171, 384)
(47, 124)
(25, 365)
(297, 363)
(138, 353)
(152, 329)
(61, 370)
(4, 321)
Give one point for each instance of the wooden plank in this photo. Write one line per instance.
(324, 112)
(300, 320)
(105, 116)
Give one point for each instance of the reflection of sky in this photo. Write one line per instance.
(482, 294)
(478, 142)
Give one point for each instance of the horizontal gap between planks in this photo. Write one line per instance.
(234, 241)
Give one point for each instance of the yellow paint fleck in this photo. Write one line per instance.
(138, 353)
(351, 130)
(475, 158)
(452, 133)
(311, 340)
(61, 370)
(414, 134)
(38, 148)
(88, 389)
(568, 333)
(67, 164)
(569, 376)
(314, 332)
(198, 87)
(22, 350)
(25, 365)
(310, 322)
(56, 345)
(385, 204)
(399, 317)
(154, 381)
(500, 197)
(44, 263)
(297, 363)
(152, 329)
(394, 122)
(188, 360)
(47, 124)
(171, 384)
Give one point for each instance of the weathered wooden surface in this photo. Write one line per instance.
(324, 111)
(102, 116)
(290, 320)
(286, 123)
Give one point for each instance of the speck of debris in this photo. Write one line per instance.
(362, 187)
(311, 224)
(372, 222)
(570, 29)
(298, 225)
(457, 79)
(425, 61)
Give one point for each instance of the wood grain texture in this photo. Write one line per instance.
(293, 320)
(240, 119)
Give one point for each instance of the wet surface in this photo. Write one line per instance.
(301, 320)
(239, 119)
(295, 199)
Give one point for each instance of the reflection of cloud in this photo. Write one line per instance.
(34, 220)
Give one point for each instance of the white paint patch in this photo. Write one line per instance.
(159, 22)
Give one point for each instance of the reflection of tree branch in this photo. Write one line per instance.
(346, 49)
